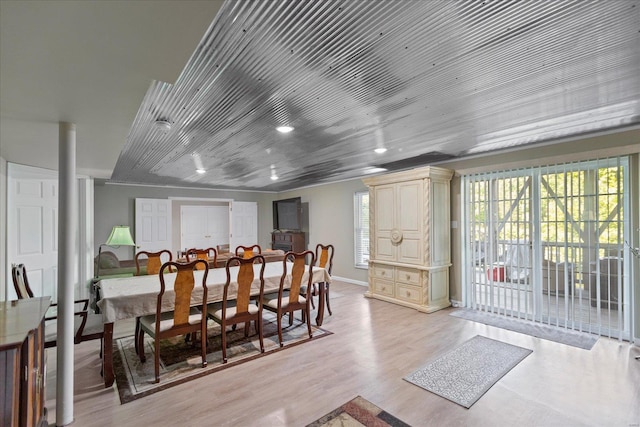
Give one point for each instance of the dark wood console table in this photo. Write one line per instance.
(288, 241)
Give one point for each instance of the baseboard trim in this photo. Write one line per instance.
(355, 282)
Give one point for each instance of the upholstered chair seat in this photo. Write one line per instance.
(166, 319)
(273, 302)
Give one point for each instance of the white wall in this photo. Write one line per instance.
(331, 221)
(115, 204)
(3, 230)
(330, 215)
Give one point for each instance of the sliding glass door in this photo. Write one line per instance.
(547, 244)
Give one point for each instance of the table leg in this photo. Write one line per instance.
(321, 297)
(107, 355)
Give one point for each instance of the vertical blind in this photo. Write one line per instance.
(361, 227)
(548, 244)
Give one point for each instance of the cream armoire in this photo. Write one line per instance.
(409, 238)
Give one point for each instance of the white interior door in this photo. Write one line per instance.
(32, 195)
(153, 224)
(244, 223)
(203, 226)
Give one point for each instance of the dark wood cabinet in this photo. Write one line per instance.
(288, 241)
(22, 362)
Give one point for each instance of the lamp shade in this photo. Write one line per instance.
(120, 236)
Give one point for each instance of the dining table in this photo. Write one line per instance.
(130, 297)
(270, 255)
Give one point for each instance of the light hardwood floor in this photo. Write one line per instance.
(374, 345)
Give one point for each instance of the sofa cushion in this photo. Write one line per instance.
(109, 260)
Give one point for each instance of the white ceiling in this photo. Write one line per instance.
(429, 80)
(89, 63)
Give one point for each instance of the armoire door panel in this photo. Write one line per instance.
(384, 210)
(385, 249)
(409, 221)
(409, 251)
(409, 207)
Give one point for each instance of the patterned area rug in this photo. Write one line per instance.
(181, 362)
(358, 412)
(538, 330)
(465, 373)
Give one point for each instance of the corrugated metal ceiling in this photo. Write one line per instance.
(428, 80)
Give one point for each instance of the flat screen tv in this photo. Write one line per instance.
(287, 214)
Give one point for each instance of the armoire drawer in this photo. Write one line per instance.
(383, 287)
(408, 293)
(383, 272)
(409, 276)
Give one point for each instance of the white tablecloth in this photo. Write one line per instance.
(128, 297)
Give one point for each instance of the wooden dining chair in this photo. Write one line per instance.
(87, 326)
(287, 301)
(248, 251)
(240, 310)
(324, 259)
(154, 261)
(154, 264)
(210, 255)
(184, 319)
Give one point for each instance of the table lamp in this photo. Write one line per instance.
(120, 236)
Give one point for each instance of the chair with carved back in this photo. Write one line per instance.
(155, 260)
(297, 296)
(240, 309)
(324, 259)
(87, 326)
(210, 255)
(248, 251)
(184, 319)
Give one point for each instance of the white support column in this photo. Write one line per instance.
(67, 232)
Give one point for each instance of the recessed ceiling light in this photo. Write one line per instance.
(274, 177)
(380, 150)
(201, 171)
(374, 170)
(284, 129)
(163, 125)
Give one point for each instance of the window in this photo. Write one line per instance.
(361, 215)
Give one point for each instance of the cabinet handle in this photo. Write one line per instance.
(408, 277)
(382, 273)
(408, 294)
